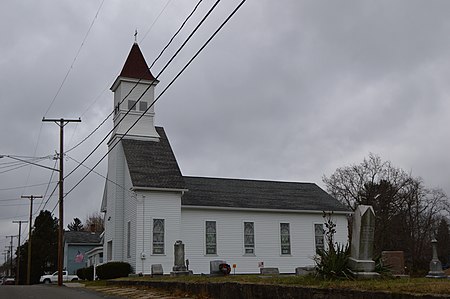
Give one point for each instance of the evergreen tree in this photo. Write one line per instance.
(443, 238)
(75, 225)
(44, 248)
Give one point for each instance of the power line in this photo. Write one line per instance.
(74, 59)
(160, 13)
(176, 33)
(137, 83)
(48, 186)
(148, 87)
(99, 174)
(170, 84)
(48, 199)
(21, 187)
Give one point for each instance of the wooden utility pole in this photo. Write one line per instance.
(18, 250)
(11, 255)
(31, 197)
(61, 123)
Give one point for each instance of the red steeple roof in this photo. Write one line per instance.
(135, 66)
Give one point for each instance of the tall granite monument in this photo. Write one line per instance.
(179, 268)
(361, 251)
(435, 264)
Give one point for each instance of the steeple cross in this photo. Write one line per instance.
(135, 36)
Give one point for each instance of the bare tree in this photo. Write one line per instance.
(406, 211)
(94, 222)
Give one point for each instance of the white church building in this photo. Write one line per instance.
(149, 204)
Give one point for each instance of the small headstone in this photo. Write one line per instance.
(361, 251)
(395, 261)
(300, 271)
(214, 266)
(435, 264)
(269, 271)
(157, 269)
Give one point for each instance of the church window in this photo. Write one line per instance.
(128, 239)
(249, 237)
(318, 234)
(285, 238)
(211, 237)
(158, 236)
(131, 105)
(142, 106)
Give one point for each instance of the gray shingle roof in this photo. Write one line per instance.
(255, 194)
(152, 163)
(81, 237)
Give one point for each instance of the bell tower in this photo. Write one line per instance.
(135, 86)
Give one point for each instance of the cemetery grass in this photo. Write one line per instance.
(396, 285)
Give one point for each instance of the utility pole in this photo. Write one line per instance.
(5, 253)
(11, 255)
(61, 123)
(31, 197)
(6, 260)
(18, 250)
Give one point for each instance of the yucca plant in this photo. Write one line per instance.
(331, 262)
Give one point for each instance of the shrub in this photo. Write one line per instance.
(80, 273)
(86, 273)
(113, 270)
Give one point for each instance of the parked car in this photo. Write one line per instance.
(54, 277)
(8, 281)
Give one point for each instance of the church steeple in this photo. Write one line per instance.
(135, 66)
(135, 83)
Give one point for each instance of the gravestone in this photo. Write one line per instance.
(269, 271)
(157, 269)
(435, 264)
(361, 251)
(214, 267)
(395, 261)
(300, 271)
(179, 268)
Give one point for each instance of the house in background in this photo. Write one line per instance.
(76, 246)
(149, 204)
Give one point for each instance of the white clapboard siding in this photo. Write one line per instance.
(156, 205)
(230, 240)
(131, 205)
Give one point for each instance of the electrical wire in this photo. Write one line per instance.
(137, 83)
(21, 187)
(148, 87)
(99, 174)
(75, 58)
(176, 33)
(48, 186)
(160, 13)
(170, 84)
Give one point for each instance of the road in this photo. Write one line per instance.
(78, 291)
(50, 292)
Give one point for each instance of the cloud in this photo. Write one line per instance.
(286, 91)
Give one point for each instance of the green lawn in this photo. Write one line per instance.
(403, 285)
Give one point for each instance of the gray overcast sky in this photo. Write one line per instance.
(288, 90)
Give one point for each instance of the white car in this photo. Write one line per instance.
(54, 277)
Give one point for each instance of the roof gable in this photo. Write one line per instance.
(135, 66)
(81, 237)
(152, 163)
(255, 194)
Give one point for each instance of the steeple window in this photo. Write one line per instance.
(142, 106)
(131, 105)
